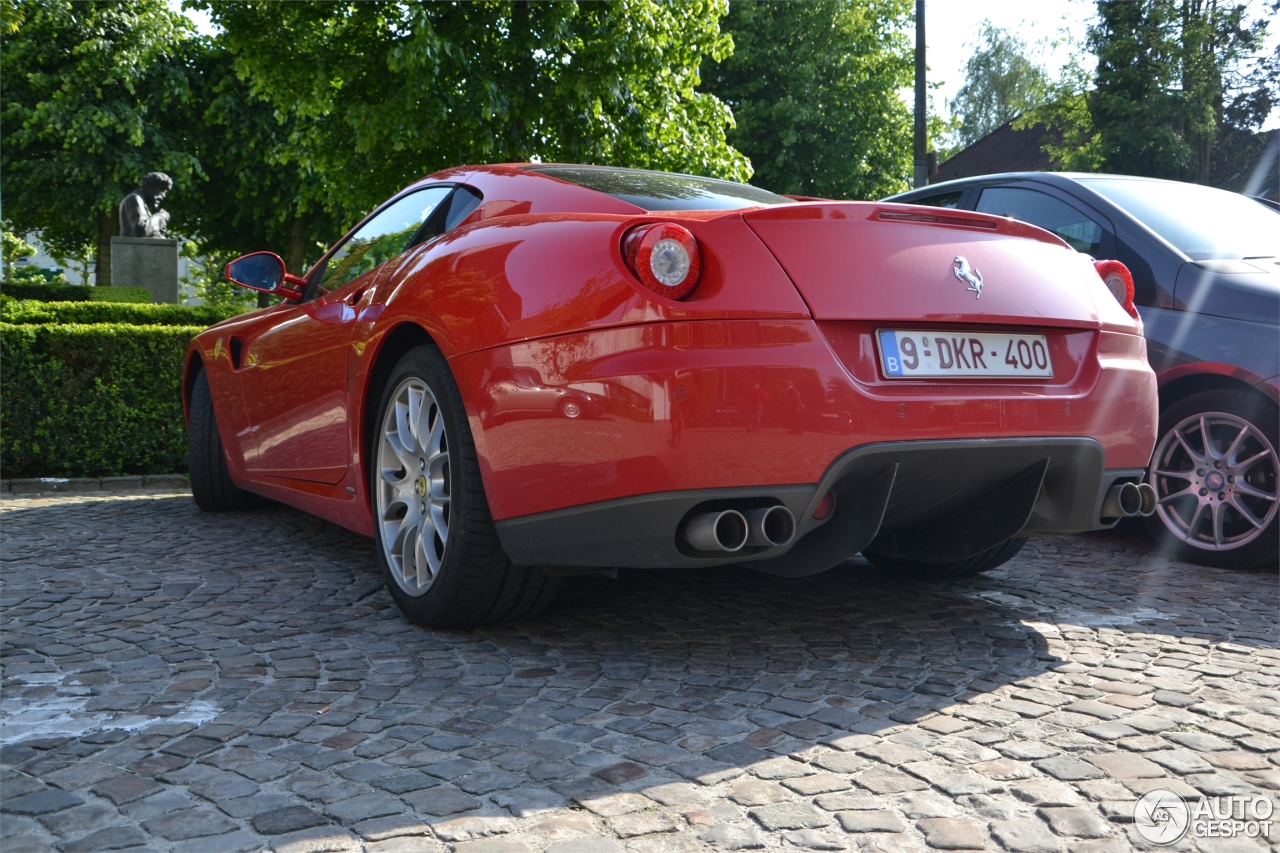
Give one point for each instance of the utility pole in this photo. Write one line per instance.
(921, 141)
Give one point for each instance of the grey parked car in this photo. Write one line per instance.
(1206, 274)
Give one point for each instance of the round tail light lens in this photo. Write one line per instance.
(665, 258)
(1119, 281)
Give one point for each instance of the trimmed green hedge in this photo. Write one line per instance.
(74, 293)
(92, 400)
(38, 313)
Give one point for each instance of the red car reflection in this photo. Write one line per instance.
(520, 391)
(508, 374)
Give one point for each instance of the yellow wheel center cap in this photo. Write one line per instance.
(421, 486)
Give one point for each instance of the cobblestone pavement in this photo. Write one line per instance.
(190, 682)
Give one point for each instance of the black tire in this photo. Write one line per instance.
(211, 484)
(1255, 549)
(899, 567)
(571, 408)
(475, 583)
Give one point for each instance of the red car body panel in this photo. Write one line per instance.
(683, 424)
(764, 375)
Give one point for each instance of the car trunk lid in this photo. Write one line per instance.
(904, 263)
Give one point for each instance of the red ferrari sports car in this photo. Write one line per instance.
(761, 381)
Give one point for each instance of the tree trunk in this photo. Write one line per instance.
(297, 258)
(108, 227)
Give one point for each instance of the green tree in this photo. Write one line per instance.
(88, 88)
(814, 87)
(250, 193)
(383, 92)
(15, 249)
(1177, 84)
(1000, 83)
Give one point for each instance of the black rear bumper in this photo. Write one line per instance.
(932, 501)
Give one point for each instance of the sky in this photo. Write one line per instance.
(1052, 29)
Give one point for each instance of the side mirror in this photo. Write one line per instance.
(265, 272)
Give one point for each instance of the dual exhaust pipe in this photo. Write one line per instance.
(1125, 500)
(729, 530)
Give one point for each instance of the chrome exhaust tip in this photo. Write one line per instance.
(1149, 499)
(1124, 500)
(725, 530)
(772, 526)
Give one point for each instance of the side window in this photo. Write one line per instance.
(382, 237)
(447, 215)
(1045, 211)
(944, 200)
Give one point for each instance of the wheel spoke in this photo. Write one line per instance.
(425, 572)
(408, 553)
(1243, 488)
(1244, 466)
(1219, 514)
(1195, 457)
(1206, 440)
(423, 424)
(437, 511)
(1176, 495)
(1235, 444)
(1196, 518)
(1177, 475)
(1246, 513)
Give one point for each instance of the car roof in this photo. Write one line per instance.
(1051, 178)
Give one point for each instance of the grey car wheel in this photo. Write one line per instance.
(1215, 471)
(413, 486)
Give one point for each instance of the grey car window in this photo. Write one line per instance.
(663, 190)
(382, 237)
(1044, 211)
(1201, 222)
(944, 200)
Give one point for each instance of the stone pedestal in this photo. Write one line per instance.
(146, 262)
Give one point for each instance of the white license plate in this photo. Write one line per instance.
(911, 355)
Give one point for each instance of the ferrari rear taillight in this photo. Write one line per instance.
(1119, 281)
(664, 257)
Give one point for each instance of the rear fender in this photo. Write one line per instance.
(524, 277)
(1177, 382)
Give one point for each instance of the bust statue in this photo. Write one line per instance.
(140, 213)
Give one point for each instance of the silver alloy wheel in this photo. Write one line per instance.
(1215, 476)
(413, 486)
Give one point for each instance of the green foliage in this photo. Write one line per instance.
(41, 313)
(814, 88)
(34, 276)
(251, 193)
(207, 278)
(1173, 78)
(1075, 145)
(92, 400)
(118, 294)
(15, 249)
(42, 291)
(95, 93)
(1000, 83)
(381, 92)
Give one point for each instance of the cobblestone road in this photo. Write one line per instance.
(181, 681)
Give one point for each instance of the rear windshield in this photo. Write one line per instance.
(663, 190)
(1201, 222)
